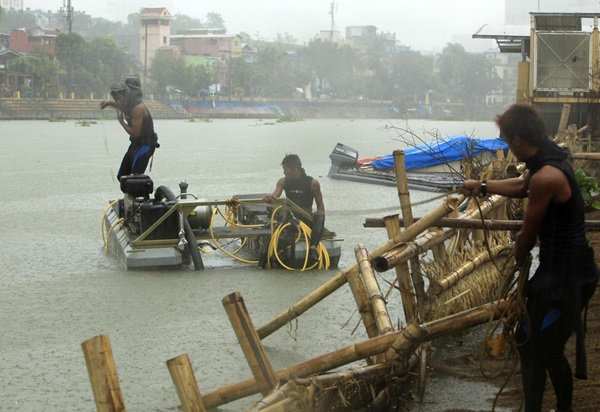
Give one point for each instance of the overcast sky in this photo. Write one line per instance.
(421, 24)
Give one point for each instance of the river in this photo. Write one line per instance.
(58, 287)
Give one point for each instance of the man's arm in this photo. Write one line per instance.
(315, 187)
(514, 187)
(108, 103)
(548, 185)
(277, 192)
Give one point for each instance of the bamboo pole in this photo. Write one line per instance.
(410, 250)
(359, 377)
(487, 224)
(408, 341)
(407, 293)
(338, 280)
(564, 117)
(362, 303)
(357, 351)
(185, 383)
(394, 257)
(453, 277)
(585, 156)
(382, 318)
(405, 207)
(103, 374)
(250, 342)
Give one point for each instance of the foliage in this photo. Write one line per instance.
(466, 77)
(171, 70)
(45, 71)
(589, 189)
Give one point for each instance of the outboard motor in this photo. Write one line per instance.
(136, 190)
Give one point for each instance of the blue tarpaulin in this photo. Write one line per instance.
(441, 151)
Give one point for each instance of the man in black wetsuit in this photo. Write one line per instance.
(567, 274)
(137, 122)
(302, 190)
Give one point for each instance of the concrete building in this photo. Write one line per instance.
(155, 33)
(11, 4)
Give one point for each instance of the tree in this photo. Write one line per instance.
(214, 21)
(90, 67)
(45, 71)
(334, 68)
(242, 75)
(12, 19)
(413, 75)
(467, 78)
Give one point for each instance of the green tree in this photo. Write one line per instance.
(167, 70)
(13, 19)
(243, 75)
(45, 72)
(413, 76)
(333, 66)
(466, 77)
(180, 22)
(214, 21)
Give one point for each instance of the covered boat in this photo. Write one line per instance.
(434, 166)
(171, 231)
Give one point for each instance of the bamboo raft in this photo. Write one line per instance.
(459, 284)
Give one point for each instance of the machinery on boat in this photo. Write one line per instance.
(150, 228)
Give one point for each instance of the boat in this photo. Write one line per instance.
(149, 228)
(432, 166)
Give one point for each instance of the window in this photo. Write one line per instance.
(164, 39)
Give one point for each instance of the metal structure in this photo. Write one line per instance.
(559, 64)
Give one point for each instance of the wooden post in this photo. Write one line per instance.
(250, 342)
(407, 292)
(103, 374)
(183, 377)
(382, 318)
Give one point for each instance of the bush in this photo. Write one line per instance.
(589, 189)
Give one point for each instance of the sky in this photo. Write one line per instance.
(426, 25)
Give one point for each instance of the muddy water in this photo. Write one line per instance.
(58, 287)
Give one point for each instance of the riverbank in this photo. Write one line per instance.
(235, 108)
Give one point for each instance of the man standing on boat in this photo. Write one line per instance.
(303, 190)
(567, 274)
(134, 117)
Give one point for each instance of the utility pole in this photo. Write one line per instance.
(68, 10)
(333, 27)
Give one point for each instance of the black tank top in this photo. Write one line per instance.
(147, 136)
(566, 259)
(298, 191)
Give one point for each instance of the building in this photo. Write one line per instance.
(36, 40)
(209, 42)
(11, 4)
(559, 65)
(155, 33)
